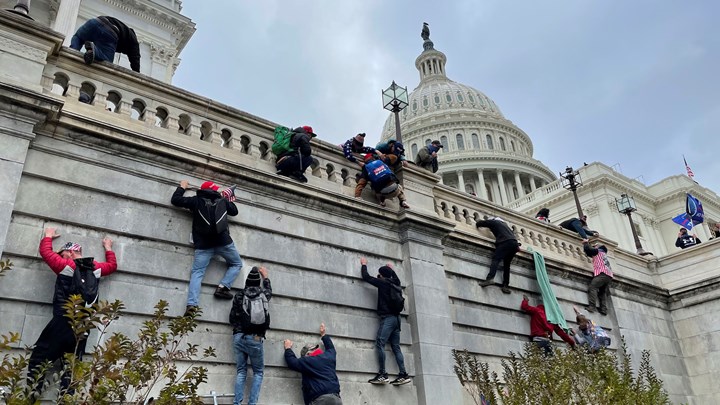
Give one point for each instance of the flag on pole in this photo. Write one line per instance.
(689, 170)
(683, 221)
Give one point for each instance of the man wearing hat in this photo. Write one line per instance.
(320, 384)
(211, 236)
(356, 145)
(389, 328)
(394, 152)
(58, 338)
(427, 156)
(599, 287)
(249, 329)
(294, 162)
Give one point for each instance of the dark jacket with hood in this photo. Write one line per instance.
(236, 313)
(318, 372)
(499, 229)
(299, 141)
(193, 204)
(568, 224)
(127, 42)
(383, 286)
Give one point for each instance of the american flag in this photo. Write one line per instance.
(229, 193)
(689, 170)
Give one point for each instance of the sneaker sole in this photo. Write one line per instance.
(89, 56)
(403, 382)
(378, 382)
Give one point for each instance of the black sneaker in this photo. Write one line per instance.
(486, 283)
(506, 290)
(603, 311)
(379, 379)
(589, 308)
(190, 310)
(402, 379)
(89, 52)
(223, 292)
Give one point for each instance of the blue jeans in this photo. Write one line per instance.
(247, 347)
(102, 37)
(200, 263)
(389, 330)
(577, 225)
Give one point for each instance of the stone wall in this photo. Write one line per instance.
(93, 172)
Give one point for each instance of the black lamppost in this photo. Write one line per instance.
(395, 99)
(626, 205)
(571, 181)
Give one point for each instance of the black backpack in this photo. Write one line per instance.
(397, 301)
(85, 283)
(213, 215)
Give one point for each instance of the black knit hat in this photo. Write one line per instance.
(253, 278)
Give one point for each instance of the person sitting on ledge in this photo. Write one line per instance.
(355, 145)
(102, 37)
(579, 226)
(684, 240)
(427, 156)
(293, 162)
(543, 215)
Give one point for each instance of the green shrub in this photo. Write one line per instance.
(120, 370)
(567, 377)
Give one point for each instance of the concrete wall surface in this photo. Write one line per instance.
(93, 172)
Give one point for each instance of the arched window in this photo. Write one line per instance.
(460, 142)
(414, 150)
(475, 141)
(60, 84)
(512, 146)
(470, 189)
(161, 115)
(226, 137)
(184, 123)
(502, 143)
(488, 191)
(112, 103)
(444, 142)
(137, 111)
(205, 131)
(87, 93)
(428, 142)
(489, 141)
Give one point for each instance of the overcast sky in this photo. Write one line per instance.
(633, 83)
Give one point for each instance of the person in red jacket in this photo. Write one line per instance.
(58, 338)
(541, 330)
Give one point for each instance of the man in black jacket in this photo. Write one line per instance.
(579, 226)
(211, 237)
(506, 246)
(320, 384)
(102, 37)
(389, 328)
(250, 320)
(294, 162)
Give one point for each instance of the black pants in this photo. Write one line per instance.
(504, 252)
(294, 164)
(55, 340)
(598, 291)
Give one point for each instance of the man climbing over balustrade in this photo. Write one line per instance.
(356, 146)
(599, 287)
(506, 246)
(579, 226)
(427, 156)
(102, 37)
(292, 148)
(382, 181)
(210, 236)
(394, 152)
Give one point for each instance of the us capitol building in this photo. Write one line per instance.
(484, 154)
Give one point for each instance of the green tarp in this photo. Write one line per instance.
(552, 307)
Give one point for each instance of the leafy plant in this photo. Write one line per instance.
(5, 265)
(567, 377)
(121, 370)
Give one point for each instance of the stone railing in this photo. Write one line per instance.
(540, 192)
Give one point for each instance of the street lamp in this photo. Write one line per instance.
(395, 99)
(626, 205)
(571, 181)
(22, 7)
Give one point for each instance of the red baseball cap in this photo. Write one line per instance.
(309, 130)
(209, 185)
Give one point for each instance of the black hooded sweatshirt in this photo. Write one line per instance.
(127, 42)
(383, 286)
(193, 204)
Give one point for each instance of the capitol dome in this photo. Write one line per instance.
(483, 153)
